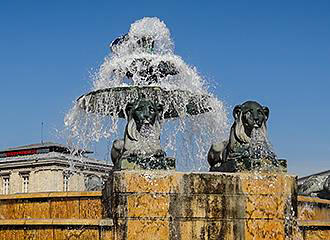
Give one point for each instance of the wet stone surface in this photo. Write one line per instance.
(174, 205)
(252, 165)
(146, 163)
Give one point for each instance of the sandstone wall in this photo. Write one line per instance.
(170, 205)
(314, 218)
(57, 215)
(173, 205)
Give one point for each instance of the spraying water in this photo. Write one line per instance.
(260, 147)
(143, 62)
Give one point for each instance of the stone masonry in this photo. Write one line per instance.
(211, 206)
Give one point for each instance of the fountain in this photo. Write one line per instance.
(247, 194)
(144, 82)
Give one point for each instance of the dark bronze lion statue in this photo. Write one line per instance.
(140, 147)
(247, 116)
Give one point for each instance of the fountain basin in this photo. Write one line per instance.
(177, 205)
(112, 101)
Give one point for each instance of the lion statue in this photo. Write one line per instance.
(248, 117)
(142, 133)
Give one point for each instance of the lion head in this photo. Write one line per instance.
(248, 116)
(143, 119)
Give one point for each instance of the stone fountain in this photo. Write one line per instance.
(247, 194)
(146, 84)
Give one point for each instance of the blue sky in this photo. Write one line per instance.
(275, 52)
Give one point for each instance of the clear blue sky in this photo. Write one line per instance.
(275, 52)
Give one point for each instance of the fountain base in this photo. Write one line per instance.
(174, 205)
(134, 162)
(251, 165)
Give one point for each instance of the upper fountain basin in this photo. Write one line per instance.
(113, 101)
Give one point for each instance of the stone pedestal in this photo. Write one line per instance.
(174, 205)
(252, 165)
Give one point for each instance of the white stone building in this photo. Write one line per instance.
(49, 167)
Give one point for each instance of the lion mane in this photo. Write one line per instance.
(135, 141)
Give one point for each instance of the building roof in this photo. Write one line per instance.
(35, 146)
(39, 148)
(324, 173)
(53, 159)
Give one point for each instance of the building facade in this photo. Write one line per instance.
(301, 180)
(49, 167)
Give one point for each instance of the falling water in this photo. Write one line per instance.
(260, 147)
(145, 58)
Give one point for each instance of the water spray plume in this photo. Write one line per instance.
(143, 63)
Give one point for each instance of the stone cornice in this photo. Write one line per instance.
(54, 159)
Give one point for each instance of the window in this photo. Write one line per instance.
(65, 182)
(5, 184)
(25, 176)
(25, 183)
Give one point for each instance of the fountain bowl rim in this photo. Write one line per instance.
(156, 91)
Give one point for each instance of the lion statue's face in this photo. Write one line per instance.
(143, 119)
(144, 113)
(248, 116)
